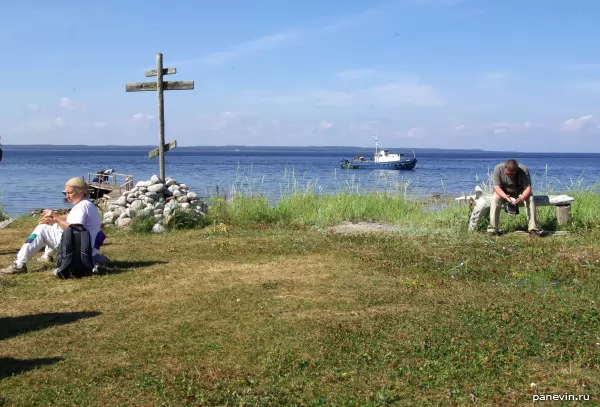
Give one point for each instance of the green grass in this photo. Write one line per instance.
(265, 306)
(315, 210)
(3, 215)
(312, 209)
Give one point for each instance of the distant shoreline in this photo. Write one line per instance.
(241, 149)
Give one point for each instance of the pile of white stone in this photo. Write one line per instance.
(153, 198)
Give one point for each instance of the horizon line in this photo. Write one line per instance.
(140, 146)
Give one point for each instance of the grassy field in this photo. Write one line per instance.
(267, 306)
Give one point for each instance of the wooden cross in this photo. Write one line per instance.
(160, 86)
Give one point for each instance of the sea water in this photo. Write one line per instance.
(33, 177)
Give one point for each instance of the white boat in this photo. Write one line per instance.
(383, 160)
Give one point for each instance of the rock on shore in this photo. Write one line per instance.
(153, 198)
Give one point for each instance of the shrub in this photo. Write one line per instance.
(143, 224)
(187, 219)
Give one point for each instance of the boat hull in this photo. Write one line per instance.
(407, 164)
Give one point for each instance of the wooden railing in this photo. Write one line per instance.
(110, 182)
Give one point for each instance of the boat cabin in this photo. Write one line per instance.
(384, 156)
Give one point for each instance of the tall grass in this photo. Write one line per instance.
(292, 183)
(312, 209)
(315, 210)
(542, 185)
(303, 202)
(323, 210)
(549, 185)
(585, 210)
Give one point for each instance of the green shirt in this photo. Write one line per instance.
(512, 186)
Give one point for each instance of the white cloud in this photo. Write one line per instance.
(142, 120)
(354, 74)
(67, 103)
(460, 127)
(415, 132)
(100, 125)
(326, 125)
(503, 127)
(412, 133)
(33, 107)
(60, 122)
(141, 116)
(578, 124)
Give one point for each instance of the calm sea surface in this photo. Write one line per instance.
(33, 178)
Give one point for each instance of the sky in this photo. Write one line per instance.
(504, 75)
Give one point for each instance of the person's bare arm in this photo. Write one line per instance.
(525, 195)
(502, 194)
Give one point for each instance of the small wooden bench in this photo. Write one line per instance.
(481, 204)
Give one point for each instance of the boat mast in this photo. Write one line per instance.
(376, 148)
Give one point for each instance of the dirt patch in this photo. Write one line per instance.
(362, 227)
(378, 227)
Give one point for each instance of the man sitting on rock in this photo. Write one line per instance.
(512, 185)
(50, 228)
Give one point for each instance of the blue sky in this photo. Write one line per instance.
(518, 75)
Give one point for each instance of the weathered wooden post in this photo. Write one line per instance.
(160, 86)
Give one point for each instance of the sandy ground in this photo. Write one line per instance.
(362, 227)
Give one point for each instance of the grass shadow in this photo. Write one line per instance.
(10, 366)
(13, 326)
(116, 267)
(14, 251)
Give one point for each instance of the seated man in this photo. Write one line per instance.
(49, 230)
(512, 184)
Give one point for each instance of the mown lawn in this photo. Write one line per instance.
(265, 314)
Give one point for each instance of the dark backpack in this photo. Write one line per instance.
(75, 253)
